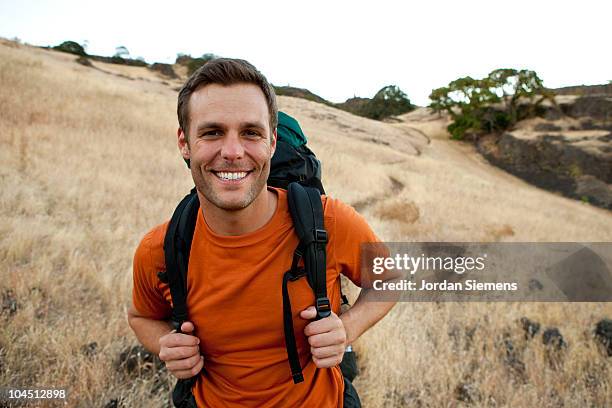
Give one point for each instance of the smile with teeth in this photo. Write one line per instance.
(231, 175)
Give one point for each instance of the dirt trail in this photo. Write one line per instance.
(396, 188)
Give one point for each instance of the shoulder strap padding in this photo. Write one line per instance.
(307, 214)
(177, 245)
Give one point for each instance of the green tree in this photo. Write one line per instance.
(515, 85)
(388, 101)
(122, 52)
(490, 104)
(71, 47)
(192, 63)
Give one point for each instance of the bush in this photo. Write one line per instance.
(388, 101)
(193, 64)
(71, 47)
(490, 104)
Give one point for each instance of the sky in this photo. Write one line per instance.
(340, 49)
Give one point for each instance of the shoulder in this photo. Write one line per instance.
(348, 230)
(149, 294)
(340, 214)
(345, 223)
(150, 251)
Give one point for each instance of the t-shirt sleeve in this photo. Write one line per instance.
(147, 296)
(350, 231)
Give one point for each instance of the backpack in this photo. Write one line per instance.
(293, 167)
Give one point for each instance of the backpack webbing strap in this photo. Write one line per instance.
(307, 215)
(292, 353)
(182, 396)
(177, 245)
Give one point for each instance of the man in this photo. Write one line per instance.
(242, 245)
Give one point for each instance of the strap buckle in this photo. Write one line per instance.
(319, 236)
(295, 274)
(176, 325)
(297, 377)
(323, 307)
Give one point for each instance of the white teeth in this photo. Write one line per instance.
(225, 175)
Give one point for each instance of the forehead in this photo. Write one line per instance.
(237, 103)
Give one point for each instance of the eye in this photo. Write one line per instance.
(251, 133)
(211, 133)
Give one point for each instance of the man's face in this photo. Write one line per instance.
(229, 143)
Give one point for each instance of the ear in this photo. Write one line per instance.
(273, 142)
(183, 144)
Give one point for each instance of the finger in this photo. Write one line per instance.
(328, 351)
(182, 374)
(327, 362)
(328, 324)
(187, 327)
(327, 339)
(178, 340)
(309, 313)
(178, 353)
(184, 364)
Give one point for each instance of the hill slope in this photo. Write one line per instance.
(89, 163)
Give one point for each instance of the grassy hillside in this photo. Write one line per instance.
(89, 163)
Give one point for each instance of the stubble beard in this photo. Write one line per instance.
(205, 186)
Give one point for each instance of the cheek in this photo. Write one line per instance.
(264, 152)
(202, 155)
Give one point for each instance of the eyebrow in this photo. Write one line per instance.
(209, 125)
(218, 125)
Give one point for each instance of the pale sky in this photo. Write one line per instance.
(339, 49)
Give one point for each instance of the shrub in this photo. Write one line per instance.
(388, 101)
(491, 104)
(71, 47)
(193, 64)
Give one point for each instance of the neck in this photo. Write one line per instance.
(240, 222)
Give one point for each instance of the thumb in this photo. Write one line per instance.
(187, 327)
(309, 313)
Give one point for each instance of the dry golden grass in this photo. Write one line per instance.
(89, 164)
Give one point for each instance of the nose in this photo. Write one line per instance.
(232, 148)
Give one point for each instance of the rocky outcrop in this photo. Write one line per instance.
(569, 150)
(581, 90)
(164, 69)
(595, 109)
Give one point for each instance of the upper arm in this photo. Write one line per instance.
(350, 231)
(148, 298)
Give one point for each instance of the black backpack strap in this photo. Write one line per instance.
(290, 344)
(177, 245)
(307, 215)
(182, 396)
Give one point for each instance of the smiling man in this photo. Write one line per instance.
(233, 141)
(243, 243)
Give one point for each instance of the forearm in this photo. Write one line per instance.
(148, 331)
(364, 314)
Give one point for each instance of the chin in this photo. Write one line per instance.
(226, 202)
(232, 205)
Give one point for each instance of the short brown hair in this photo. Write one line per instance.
(225, 71)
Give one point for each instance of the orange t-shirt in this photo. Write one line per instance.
(235, 302)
